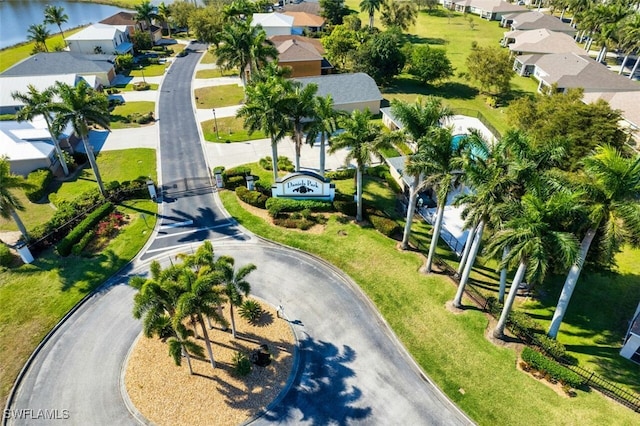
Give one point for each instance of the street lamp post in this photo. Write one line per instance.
(215, 122)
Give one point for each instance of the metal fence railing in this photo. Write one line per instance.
(477, 114)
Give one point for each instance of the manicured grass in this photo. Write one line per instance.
(208, 58)
(12, 55)
(129, 87)
(176, 48)
(230, 129)
(152, 70)
(219, 96)
(120, 113)
(34, 214)
(216, 72)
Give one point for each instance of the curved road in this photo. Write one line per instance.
(352, 369)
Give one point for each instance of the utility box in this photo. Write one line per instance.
(250, 183)
(152, 189)
(25, 253)
(219, 181)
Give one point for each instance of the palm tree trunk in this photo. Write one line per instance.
(18, 221)
(188, 357)
(62, 34)
(436, 235)
(475, 246)
(65, 168)
(223, 325)
(192, 320)
(635, 67)
(233, 321)
(624, 62)
(322, 154)
(206, 340)
(359, 193)
(92, 161)
(498, 333)
(570, 283)
(467, 248)
(564, 9)
(274, 158)
(411, 208)
(371, 21)
(298, 145)
(503, 277)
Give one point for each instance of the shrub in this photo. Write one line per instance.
(65, 246)
(235, 182)
(251, 311)
(551, 346)
(38, 181)
(141, 85)
(7, 117)
(284, 163)
(348, 208)
(5, 255)
(158, 48)
(241, 365)
(556, 371)
(522, 324)
(341, 174)
(280, 205)
(384, 225)
(254, 198)
(82, 244)
(229, 174)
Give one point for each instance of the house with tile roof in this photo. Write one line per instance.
(534, 20)
(305, 56)
(541, 41)
(101, 39)
(306, 21)
(491, 10)
(627, 103)
(273, 23)
(349, 91)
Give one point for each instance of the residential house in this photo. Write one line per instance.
(10, 84)
(491, 10)
(535, 21)
(312, 7)
(101, 39)
(349, 91)
(273, 23)
(540, 41)
(97, 70)
(305, 21)
(627, 103)
(129, 20)
(305, 56)
(27, 146)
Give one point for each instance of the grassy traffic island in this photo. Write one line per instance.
(168, 395)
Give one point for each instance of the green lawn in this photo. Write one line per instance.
(35, 297)
(219, 96)
(129, 87)
(479, 376)
(151, 70)
(120, 113)
(230, 129)
(208, 58)
(216, 72)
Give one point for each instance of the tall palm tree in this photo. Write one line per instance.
(38, 33)
(533, 236)
(180, 344)
(630, 40)
(370, 7)
(301, 112)
(325, 124)
(244, 46)
(145, 12)
(398, 14)
(82, 106)
(612, 188)
(164, 12)
(363, 140)
(39, 103)
(55, 15)
(417, 119)
(265, 109)
(9, 203)
(236, 287)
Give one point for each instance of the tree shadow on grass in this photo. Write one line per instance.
(319, 393)
(447, 90)
(416, 39)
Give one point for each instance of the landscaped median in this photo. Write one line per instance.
(451, 348)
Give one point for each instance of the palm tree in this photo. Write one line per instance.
(398, 14)
(363, 139)
(164, 12)
(417, 119)
(244, 46)
(39, 103)
(180, 345)
(533, 237)
(55, 15)
(301, 112)
(145, 12)
(612, 186)
(82, 106)
(9, 203)
(324, 124)
(370, 7)
(265, 109)
(38, 33)
(630, 40)
(235, 285)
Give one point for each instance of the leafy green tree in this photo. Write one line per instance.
(38, 33)
(333, 11)
(55, 15)
(265, 109)
(325, 123)
(141, 40)
(399, 14)
(370, 7)
(341, 45)
(533, 238)
(9, 203)
(181, 11)
(82, 106)
(362, 138)
(164, 13)
(207, 23)
(429, 64)
(381, 56)
(124, 62)
(352, 22)
(235, 285)
(417, 120)
(492, 68)
(301, 112)
(39, 103)
(612, 190)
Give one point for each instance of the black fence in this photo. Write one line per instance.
(477, 114)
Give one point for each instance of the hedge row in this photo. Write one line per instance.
(281, 205)
(39, 181)
(348, 208)
(84, 241)
(5, 255)
(341, 174)
(66, 244)
(546, 365)
(284, 163)
(254, 198)
(384, 225)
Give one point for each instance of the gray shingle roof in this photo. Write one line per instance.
(61, 63)
(345, 88)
